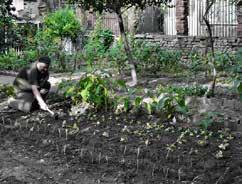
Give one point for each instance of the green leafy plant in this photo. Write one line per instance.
(91, 89)
(208, 120)
(237, 70)
(151, 56)
(167, 105)
(12, 61)
(8, 34)
(194, 90)
(117, 56)
(45, 44)
(98, 43)
(196, 62)
(60, 26)
(62, 23)
(7, 90)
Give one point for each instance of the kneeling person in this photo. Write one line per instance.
(32, 86)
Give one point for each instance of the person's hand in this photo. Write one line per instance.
(43, 106)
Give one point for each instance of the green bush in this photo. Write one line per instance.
(117, 56)
(199, 62)
(222, 61)
(98, 43)
(196, 62)
(146, 55)
(58, 26)
(237, 71)
(91, 89)
(12, 61)
(30, 55)
(152, 56)
(6, 90)
(62, 23)
(195, 90)
(45, 44)
(166, 104)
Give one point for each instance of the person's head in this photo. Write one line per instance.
(43, 64)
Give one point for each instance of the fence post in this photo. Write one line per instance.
(182, 10)
(239, 19)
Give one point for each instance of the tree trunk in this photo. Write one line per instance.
(127, 49)
(210, 43)
(62, 55)
(51, 5)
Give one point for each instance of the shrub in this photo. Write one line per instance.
(237, 70)
(152, 56)
(11, 61)
(198, 62)
(195, 90)
(6, 90)
(98, 43)
(91, 89)
(45, 44)
(59, 26)
(62, 23)
(117, 56)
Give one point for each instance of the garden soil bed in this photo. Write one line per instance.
(102, 147)
(108, 148)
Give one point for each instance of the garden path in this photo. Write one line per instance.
(54, 78)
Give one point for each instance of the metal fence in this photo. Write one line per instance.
(170, 19)
(110, 21)
(222, 18)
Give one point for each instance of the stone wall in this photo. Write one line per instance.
(192, 43)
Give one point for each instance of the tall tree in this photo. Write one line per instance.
(117, 6)
(210, 41)
(6, 17)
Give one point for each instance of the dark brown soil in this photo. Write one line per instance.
(102, 147)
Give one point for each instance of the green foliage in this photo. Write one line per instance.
(198, 62)
(163, 103)
(29, 55)
(194, 90)
(115, 6)
(26, 35)
(12, 61)
(98, 43)
(7, 26)
(167, 104)
(152, 56)
(45, 44)
(91, 89)
(208, 120)
(222, 61)
(7, 90)
(237, 70)
(58, 26)
(147, 56)
(62, 23)
(117, 56)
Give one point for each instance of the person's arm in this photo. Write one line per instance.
(39, 98)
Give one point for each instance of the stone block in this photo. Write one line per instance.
(237, 105)
(239, 124)
(228, 104)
